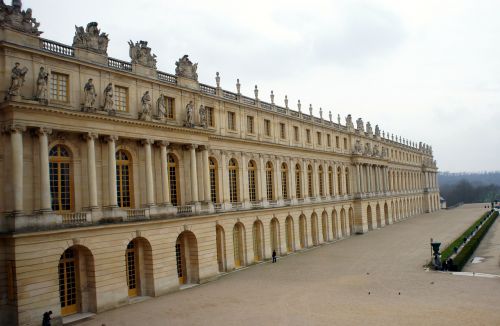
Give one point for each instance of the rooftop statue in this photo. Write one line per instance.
(140, 53)
(14, 17)
(185, 68)
(369, 129)
(91, 38)
(377, 131)
(359, 125)
(348, 122)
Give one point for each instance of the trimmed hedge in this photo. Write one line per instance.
(463, 256)
(446, 253)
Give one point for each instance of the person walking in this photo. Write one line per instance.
(274, 256)
(46, 318)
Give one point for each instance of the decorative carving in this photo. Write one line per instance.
(330, 115)
(189, 115)
(348, 122)
(16, 81)
(140, 53)
(185, 68)
(359, 125)
(321, 113)
(203, 116)
(89, 96)
(286, 102)
(256, 93)
(14, 17)
(217, 79)
(145, 114)
(384, 152)
(310, 110)
(161, 107)
(272, 97)
(368, 149)
(369, 129)
(376, 151)
(358, 149)
(91, 38)
(108, 99)
(238, 86)
(377, 131)
(299, 106)
(41, 86)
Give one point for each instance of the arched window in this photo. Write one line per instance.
(213, 179)
(321, 184)
(173, 173)
(339, 181)
(233, 181)
(251, 181)
(298, 182)
(61, 179)
(123, 178)
(269, 181)
(347, 185)
(284, 180)
(330, 180)
(310, 180)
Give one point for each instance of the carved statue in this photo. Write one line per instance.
(358, 149)
(145, 114)
(13, 17)
(376, 151)
(203, 116)
(286, 101)
(299, 106)
(140, 53)
(369, 129)
(384, 152)
(161, 107)
(41, 86)
(189, 115)
(359, 125)
(185, 68)
(89, 96)
(348, 122)
(330, 115)
(108, 98)
(91, 38)
(377, 131)
(321, 113)
(238, 86)
(368, 149)
(310, 110)
(16, 80)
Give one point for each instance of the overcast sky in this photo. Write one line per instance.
(426, 70)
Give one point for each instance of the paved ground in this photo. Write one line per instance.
(330, 285)
(489, 249)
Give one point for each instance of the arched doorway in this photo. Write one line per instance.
(220, 239)
(186, 256)
(239, 245)
(289, 234)
(343, 225)
(351, 221)
(77, 281)
(258, 242)
(379, 217)
(369, 217)
(314, 229)
(386, 214)
(302, 231)
(275, 236)
(139, 268)
(324, 226)
(335, 226)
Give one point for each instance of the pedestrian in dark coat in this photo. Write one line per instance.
(274, 256)
(46, 318)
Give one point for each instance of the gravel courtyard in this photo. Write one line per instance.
(372, 279)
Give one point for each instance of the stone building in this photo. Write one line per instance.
(122, 181)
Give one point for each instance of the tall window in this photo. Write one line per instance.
(210, 116)
(250, 125)
(345, 143)
(251, 181)
(284, 180)
(123, 178)
(296, 133)
(318, 135)
(310, 180)
(330, 180)
(298, 182)
(267, 127)
(61, 182)
(59, 87)
(321, 184)
(170, 107)
(231, 120)
(328, 140)
(282, 131)
(174, 180)
(337, 141)
(339, 181)
(308, 136)
(121, 98)
(269, 181)
(347, 186)
(233, 181)
(213, 179)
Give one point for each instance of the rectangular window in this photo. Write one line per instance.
(345, 143)
(296, 133)
(267, 127)
(337, 141)
(231, 120)
(282, 131)
(170, 107)
(318, 134)
(121, 98)
(210, 116)
(250, 127)
(308, 136)
(59, 87)
(328, 140)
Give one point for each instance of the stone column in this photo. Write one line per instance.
(292, 194)
(150, 196)
(165, 182)
(92, 176)
(358, 177)
(113, 197)
(262, 179)
(224, 173)
(16, 142)
(315, 179)
(277, 183)
(369, 178)
(194, 175)
(305, 180)
(206, 175)
(45, 202)
(244, 180)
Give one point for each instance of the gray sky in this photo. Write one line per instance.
(426, 70)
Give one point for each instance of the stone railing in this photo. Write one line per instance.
(136, 214)
(75, 218)
(218, 207)
(266, 105)
(57, 48)
(187, 209)
(273, 203)
(256, 204)
(238, 205)
(300, 200)
(287, 202)
(168, 78)
(208, 89)
(229, 95)
(248, 100)
(119, 64)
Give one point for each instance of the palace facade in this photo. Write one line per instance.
(121, 181)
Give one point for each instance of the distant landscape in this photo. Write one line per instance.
(469, 187)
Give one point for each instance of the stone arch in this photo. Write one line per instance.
(393, 216)
(351, 221)
(76, 275)
(386, 214)
(314, 229)
(369, 217)
(378, 216)
(343, 223)
(220, 239)
(324, 226)
(302, 231)
(186, 257)
(239, 247)
(275, 236)
(335, 225)
(139, 268)
(258, 241)
(289, 230)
